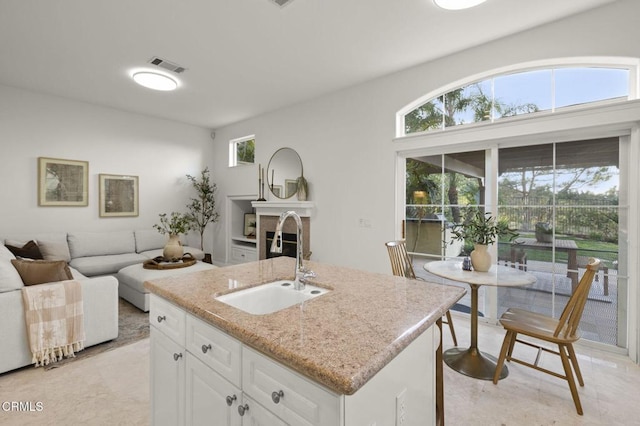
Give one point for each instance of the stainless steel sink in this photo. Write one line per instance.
(270, 297)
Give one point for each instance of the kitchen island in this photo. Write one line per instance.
(361, 354)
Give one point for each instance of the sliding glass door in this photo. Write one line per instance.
(567, 201)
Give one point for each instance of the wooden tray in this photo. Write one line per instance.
(160, 262)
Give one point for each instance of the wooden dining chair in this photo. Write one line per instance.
(562, 331)
(402, 266)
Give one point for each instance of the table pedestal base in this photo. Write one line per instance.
(473, 363)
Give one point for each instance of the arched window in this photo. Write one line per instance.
(517, 92)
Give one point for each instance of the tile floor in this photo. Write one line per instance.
(113, 388)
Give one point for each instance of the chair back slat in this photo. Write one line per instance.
(401, 264)
(572, 312)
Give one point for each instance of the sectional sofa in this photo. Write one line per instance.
(94, 259)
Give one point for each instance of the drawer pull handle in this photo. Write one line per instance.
(242, 409)
(230, 399)
(275, 396)
(161, 318)
(206, 348)
(177, 356)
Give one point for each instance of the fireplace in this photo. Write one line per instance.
(289, 245)
(266, 229)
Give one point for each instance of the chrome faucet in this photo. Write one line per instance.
(301, 273)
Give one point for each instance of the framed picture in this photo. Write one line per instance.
(276, 190)
(63, 182)
(290, 187)
(249, 224)
(118, 195)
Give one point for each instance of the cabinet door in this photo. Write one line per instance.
(167, 380)
(256, 415)
(210, 399)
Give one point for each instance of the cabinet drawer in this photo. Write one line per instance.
(167, 318)
(213, 347)
(301, 402)
(240, 255)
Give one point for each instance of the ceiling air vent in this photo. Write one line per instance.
(170, 66)
(282, 3)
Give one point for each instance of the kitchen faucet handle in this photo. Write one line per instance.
(308, 273)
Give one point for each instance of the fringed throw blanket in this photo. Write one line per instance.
(54, 317)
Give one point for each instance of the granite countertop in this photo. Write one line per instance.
(340, 339)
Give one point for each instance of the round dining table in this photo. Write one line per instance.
(471, 361)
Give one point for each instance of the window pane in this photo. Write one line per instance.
(242, 151)
(428, 116)
(576, 86)
(470, 104)
(564, 204)
(522, 93)
(246, 151)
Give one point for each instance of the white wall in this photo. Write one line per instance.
(159, 152)
(345, 138)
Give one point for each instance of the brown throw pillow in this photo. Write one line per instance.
(42, 271)
(30, 250)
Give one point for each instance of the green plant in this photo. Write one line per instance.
(177, 223)
(481, 228)
(202, 209)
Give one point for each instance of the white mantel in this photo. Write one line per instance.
(275, 208)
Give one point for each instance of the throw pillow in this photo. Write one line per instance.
(30, 250)
(54, 250)
(42, 271)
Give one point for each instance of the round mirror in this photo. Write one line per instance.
(284, 168)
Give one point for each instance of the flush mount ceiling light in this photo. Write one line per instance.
(457, 4)
(155, 81)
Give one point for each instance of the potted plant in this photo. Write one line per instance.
(481, 230)
(174, 225)
(544, 232)
(202, 209)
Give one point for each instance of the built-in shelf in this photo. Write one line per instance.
(240, 248)
(244, 239)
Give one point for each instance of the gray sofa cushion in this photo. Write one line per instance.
(9, 278)
(109, 264)
(83, 244)
(149, 239)
(52, 245)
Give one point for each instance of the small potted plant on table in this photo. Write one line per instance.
(174, 225)
(481, 230)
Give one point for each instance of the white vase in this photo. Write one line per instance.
(480, 258)
(173, 249)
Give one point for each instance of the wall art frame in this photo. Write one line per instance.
(118, 195)
(250, 224)
(63, 183)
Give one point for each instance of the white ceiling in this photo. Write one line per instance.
(243, 57)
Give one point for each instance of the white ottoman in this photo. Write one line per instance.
(131, 281)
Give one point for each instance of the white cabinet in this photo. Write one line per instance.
(257, 415)
(167, 380)
(290, 396)
(201, 375)
(210, 399)
(242, 254)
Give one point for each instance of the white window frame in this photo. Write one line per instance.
(631, 64)
(233, 150)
